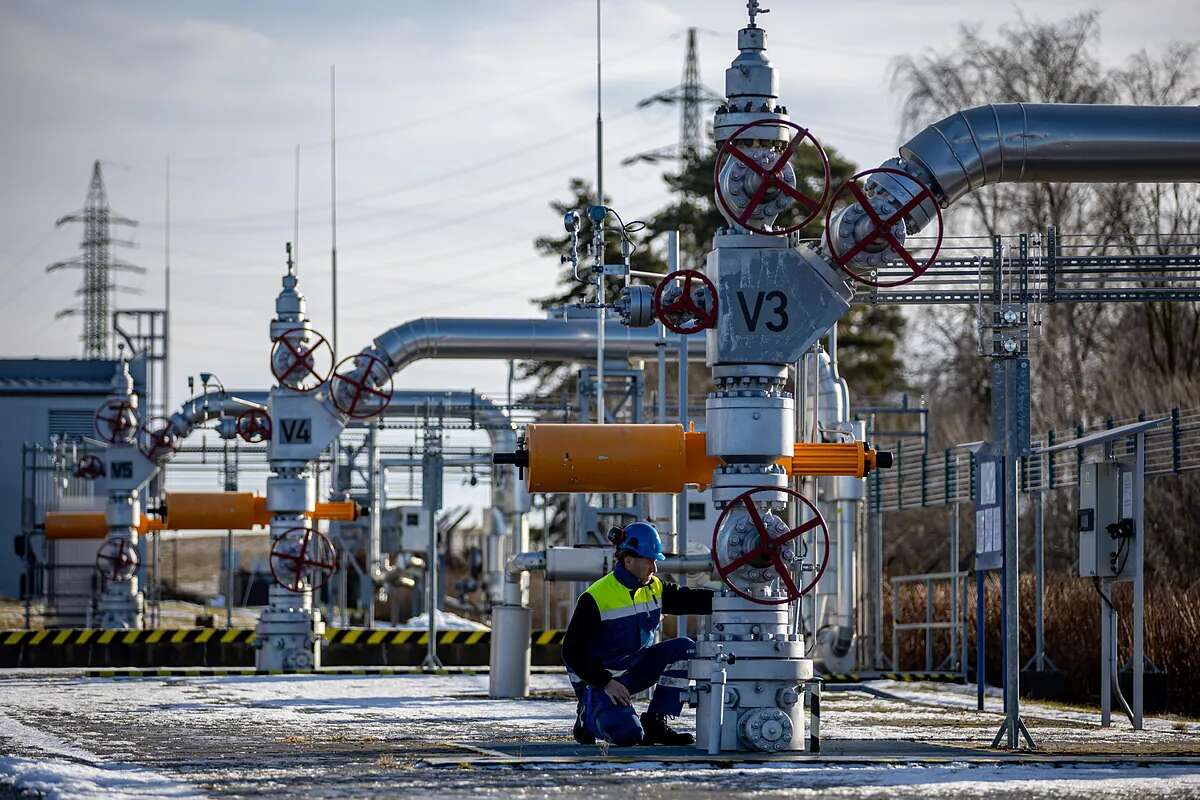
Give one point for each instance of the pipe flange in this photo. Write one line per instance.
(767, 730)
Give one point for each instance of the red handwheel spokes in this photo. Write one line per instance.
(358, 389)
(117, 560)
(156, 440)
(882, 229)
(89, 468)
(682, 314)
(302, 558)
(770, 177)
(254, 425)
(301, 359)
(770, 549)
(116, 422)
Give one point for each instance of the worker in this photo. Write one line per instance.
(609, 650)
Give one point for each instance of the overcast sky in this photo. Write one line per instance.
(457, 124)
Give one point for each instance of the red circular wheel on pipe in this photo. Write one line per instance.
(254, 425)
(156, 441)
(116, 422)
(769, 550)
(683, 314)
(768, 173)
(302, 558)
(301, 359)
(881, 229)
(89, 468)
(117, 560)
(358, 390)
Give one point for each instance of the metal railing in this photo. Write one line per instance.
(955, 659)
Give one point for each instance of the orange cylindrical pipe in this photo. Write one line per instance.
(344, 510)
(615, 458)
(837, 458)
(87, 525)
(215, 510)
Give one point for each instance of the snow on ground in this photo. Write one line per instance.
(350, 736)
(445, 621)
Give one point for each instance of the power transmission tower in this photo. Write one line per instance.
(692, 96)
(97, 264)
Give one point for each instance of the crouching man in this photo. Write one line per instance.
(608, 646)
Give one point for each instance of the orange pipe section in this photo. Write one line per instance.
(616, 458)
(656, 458)
(201, 511)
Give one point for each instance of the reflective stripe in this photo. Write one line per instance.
(674, 683)
(573, 678)
(677, 666)
(630, 610)
(610, 594)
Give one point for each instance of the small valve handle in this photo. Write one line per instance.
(683, 314)
(300, 556)
(301, 359)
(254, 425)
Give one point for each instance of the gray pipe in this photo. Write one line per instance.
(526, 339)
(204, 407)
(1057, 142)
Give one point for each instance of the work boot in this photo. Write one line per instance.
(581, 732)
(655, 730)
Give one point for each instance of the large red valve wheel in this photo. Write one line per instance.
(117, 560)
(116, 422)
(156, 441)
(300, 556)
(254, 425)
(882, 229)
(89, 468)
(769, 549)
(301, 359)
(357, 390)
(771, 177)
(684, 314)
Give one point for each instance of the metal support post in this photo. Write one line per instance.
(431, 491)
(1139, 580)
(954, 556)
(681, 509)
(980, 642)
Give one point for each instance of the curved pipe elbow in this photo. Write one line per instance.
(205, 407)
(1055, 142)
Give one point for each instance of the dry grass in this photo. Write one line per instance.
(1072, 633)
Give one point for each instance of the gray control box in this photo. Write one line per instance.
(1105, 520)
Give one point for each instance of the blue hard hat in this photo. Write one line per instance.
(642, 538)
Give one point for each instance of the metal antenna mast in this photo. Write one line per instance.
(97, 264)
(692, 96)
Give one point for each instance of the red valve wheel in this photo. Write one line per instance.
(89, 468)
(116, 422)
(254, 425)
(298, 364)
(684, 314)
(156, 441)
(769, 548)
(117, 560)
(300, 555)
(882, 229)
(356, 392)
(771, 177)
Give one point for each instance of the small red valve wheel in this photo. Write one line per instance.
(682, 313)
(772, 173)
(89, 468)
(301, 359)
(881, 230)
(770, 550)
(357, 386)
(254, 425)
(116, 422)
(156, 441)
(117, 560)
(302, 558)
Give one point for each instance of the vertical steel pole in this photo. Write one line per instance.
(954, 557)
(877, 586)
(980, 651)
(1040, 566)
(928, 625)
(1139, 580)
(1106, 654)
(895, 633)
(681, 509)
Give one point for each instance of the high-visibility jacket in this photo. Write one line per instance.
(628, 619)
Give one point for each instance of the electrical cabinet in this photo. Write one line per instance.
(405, 529)
(1106, 520)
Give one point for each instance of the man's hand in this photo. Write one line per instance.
(617, 692)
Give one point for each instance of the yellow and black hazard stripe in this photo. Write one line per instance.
(98, 636)
(908, 677)
(166, 636)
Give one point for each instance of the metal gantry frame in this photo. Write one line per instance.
(1010, 276)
